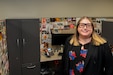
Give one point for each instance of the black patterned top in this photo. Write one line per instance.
(77, 60)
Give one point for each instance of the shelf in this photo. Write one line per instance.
(63, 31)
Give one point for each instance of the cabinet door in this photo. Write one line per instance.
(107, 29)
(13, 34)
(31, 47)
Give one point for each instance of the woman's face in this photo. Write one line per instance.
(85, 28)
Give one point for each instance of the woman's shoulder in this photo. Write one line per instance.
(105, 45)
(69, 38)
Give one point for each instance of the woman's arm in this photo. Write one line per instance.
(108, 60)
(65, 58)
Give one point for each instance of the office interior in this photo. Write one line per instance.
(55, 19)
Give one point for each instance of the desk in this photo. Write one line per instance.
(49, 62)
(51, 58)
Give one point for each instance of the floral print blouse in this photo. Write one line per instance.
(77, 60)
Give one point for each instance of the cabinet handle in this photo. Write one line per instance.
(30, 67)
(17, 41)
(23, 41)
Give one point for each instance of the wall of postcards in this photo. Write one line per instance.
(54, 25)
(4, 64)
(58, 25)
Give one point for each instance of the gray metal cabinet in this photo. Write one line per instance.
(23, 43)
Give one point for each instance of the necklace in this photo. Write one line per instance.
(82, 47)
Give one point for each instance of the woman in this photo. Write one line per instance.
(87, 53)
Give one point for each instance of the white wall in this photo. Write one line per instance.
(55, 8)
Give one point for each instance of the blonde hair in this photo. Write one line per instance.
(96, 38)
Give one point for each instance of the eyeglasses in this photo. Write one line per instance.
(82, 25)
